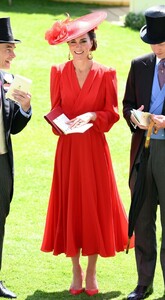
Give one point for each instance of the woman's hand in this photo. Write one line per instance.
(23, 99)
(82, 119)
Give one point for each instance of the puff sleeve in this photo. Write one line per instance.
(108, 115)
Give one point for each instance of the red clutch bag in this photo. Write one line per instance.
(53, 114)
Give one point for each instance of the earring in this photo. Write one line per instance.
(69, 56)
(90, 56)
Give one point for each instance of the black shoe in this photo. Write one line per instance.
(141, 292)
(5, 293)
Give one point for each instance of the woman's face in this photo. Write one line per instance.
(80, 47)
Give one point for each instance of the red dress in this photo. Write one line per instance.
(85, 211)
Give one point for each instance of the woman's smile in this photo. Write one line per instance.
(78, 52)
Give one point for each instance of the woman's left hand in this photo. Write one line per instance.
(82, 119)
(23, 99)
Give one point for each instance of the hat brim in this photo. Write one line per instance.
(10, 42)
(82, 25)
(146, 39)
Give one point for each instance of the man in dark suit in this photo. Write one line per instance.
(13, 118)
(146, 91)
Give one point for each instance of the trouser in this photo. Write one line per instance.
(5, 196)
(145, 230)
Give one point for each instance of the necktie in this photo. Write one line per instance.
(161, 72)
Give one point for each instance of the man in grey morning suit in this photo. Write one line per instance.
(13, 118)
(145, 91)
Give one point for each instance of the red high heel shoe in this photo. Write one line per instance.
(76, 292)
(91, 292)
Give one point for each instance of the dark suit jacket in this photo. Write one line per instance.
(13, 120)
(137, 93)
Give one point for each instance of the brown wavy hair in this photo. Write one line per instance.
(92, 36)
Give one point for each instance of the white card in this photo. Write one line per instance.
(19, 83)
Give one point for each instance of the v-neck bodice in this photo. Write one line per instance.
(85, 76)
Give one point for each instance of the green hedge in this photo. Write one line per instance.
(135, 21)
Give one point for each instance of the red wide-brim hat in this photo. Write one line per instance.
(67, 30)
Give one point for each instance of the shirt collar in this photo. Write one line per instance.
(157, 60)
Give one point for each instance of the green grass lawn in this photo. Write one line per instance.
(31, 274)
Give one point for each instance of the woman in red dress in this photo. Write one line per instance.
(85, 214)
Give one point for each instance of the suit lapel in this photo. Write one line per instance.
(148, 69)
(5, 104)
